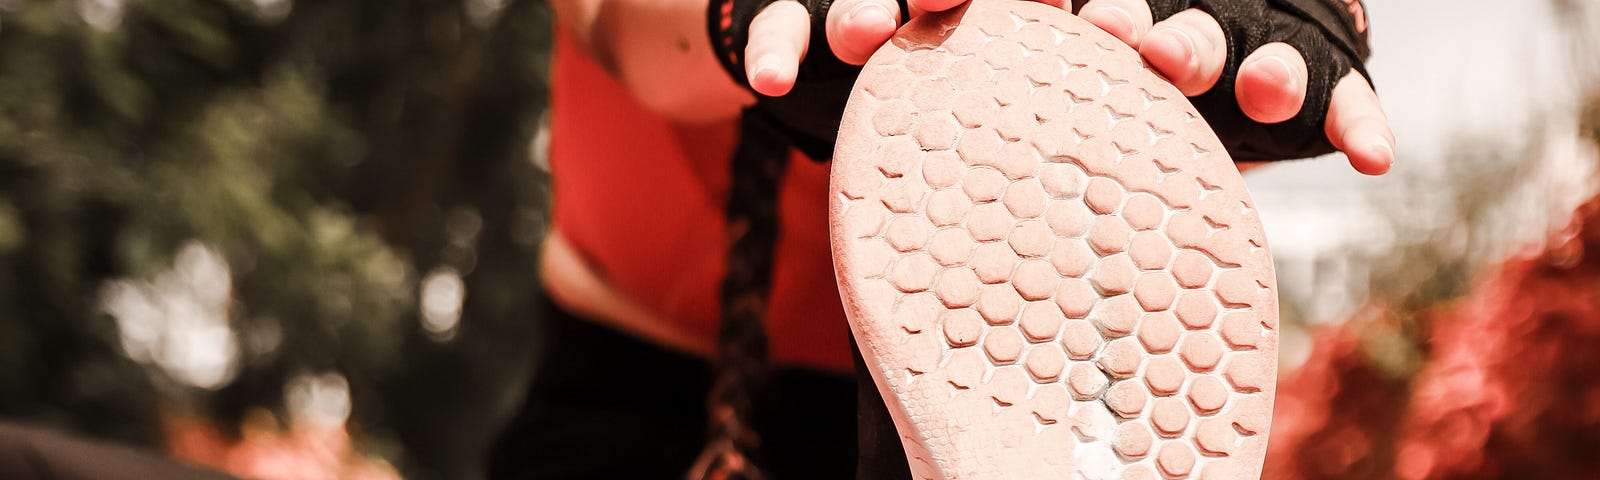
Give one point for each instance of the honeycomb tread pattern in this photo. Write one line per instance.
(1052, 265)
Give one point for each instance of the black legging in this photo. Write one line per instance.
(605, 405)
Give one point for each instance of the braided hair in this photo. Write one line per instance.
(741, 363)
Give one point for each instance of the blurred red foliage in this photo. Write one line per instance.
(1508, 385)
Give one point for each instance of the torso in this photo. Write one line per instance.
(640, 201)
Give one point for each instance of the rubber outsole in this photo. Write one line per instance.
(1049, 261)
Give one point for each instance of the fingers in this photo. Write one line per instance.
(1357, 125)
(1128, 20)
(856, 28)
(778, 39)
(1271, 84)
(1189, 48)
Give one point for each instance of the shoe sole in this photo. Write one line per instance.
(1048, 259)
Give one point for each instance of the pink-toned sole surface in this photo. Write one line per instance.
(1048, 259)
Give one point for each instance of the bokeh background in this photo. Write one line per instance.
(290, 239)
(297, 240)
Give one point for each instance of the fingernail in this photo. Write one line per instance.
(1114, 20)
(869, 13)
(1383, 152)
(1179, 40)
(1383, 149)
(766, 69)
(1277, 71)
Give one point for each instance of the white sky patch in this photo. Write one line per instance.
(442, 295)
(1448, 68)
(178, 320)
(483, 12)
(273, 10)
(320, 399)
(539, 146)
(101, 14)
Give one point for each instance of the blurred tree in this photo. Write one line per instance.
(334, 154)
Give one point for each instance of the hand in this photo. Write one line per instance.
(1189, 47)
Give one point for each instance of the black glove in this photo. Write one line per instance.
(1330, 34)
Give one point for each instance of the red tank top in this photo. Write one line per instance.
(643, 200)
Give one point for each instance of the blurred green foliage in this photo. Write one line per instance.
(332, 152)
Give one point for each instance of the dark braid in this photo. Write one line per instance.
(759, 162)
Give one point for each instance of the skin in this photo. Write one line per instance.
(1189, 48)
(642, 42)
